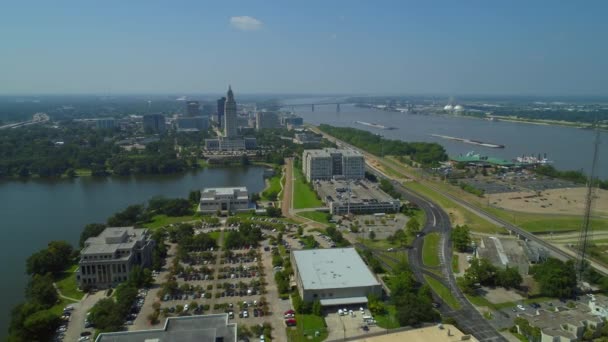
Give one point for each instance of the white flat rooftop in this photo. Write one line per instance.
(332, 268)
(225, 191)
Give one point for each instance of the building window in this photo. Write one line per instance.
(315, 295)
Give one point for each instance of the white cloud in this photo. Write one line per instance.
(245, 23)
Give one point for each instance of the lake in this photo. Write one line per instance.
(569, 148)
(35, 212)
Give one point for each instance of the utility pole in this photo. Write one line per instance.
(585, 233)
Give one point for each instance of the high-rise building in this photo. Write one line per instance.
(230, 123)
(193, 108)
(154, 123)
(105, 123)
(266, 120)
(221, 103)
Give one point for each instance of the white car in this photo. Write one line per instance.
(521, 307)
(186, 307)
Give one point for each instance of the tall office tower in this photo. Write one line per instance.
(221, 103)
(193, 108)
(230, 124)
(154, 123)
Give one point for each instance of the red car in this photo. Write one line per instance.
(291, 322)
(289, 312)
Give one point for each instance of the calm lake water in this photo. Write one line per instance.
(36, 212)
(569, 148)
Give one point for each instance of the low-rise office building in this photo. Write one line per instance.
(204, 328)
(105, 123)
(567, 325)
(107, 259)
(232, 200)
(355, 197)
(331, 163)
(231, 144)
(194, 123)
(307, 138)
(335, 276)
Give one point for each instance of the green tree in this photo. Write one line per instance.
(40, 290)
(413, 226)
(106, 315)
(509, 277)
(461, 238)
(316, 308)
(556, 278)
(41, 325)
(372, 235)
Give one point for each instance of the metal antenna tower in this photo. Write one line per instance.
(586, 231)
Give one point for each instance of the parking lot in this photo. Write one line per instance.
(353, 323)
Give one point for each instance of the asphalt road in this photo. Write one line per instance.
(437, 220)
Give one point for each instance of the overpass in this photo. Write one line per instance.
(312, 105)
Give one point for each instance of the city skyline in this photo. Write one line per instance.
(544, 48)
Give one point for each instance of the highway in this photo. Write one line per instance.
(555, 250)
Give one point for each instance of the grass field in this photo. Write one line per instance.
(458, 214)
(539, 223)
(273, 186)
(66, 283)
(303, 195)
(389, 319)
(430, 250)
(307, 326)
(442, 291)
(163, 220)
(317, 216)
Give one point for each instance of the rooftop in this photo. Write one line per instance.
(447, 333)
(113, 239)
(361, 191)
(205, 328)
(552, 322)
(225, 191)
(332, 268)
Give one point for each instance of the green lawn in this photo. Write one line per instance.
(474, 222)
(317, 216)
(392, 259)
(430, 250)
(389, 319)
(443, 292)
(66, 283)
(545, 223)
(273, 186)
(83, 172)
(455, 263)
(57, 309)
(159, 221)
(303, 195)
(306, 329)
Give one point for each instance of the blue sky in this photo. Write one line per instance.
(368, 47)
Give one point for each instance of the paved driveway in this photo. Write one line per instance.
(76, 325)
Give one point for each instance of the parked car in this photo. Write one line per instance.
(291, 322)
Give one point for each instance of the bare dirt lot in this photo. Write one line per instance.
(555, 201)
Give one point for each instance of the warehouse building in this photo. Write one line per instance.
(336, 276)
(225, 200)
(355, 197)
(204, 328)
(332, 163)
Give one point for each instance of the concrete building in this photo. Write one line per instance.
(204, 328)
(107, 259)
(335, 276)
(510, 252)
(355, 197)
(221, 105)
(193, 108)
(193, 123)
(562, 326)
(291, 120)
(266, 120)
(599, 306)
(437, 333)
(307, 138)
(230, 119)
(154, 123)
(236, 144)
(225, 200)
(331, 163)
(106, 123)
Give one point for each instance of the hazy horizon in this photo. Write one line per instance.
(339, 48)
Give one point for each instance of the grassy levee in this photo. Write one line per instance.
(430, 250)
(443, 292)
(303, 195)
(273, 186)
